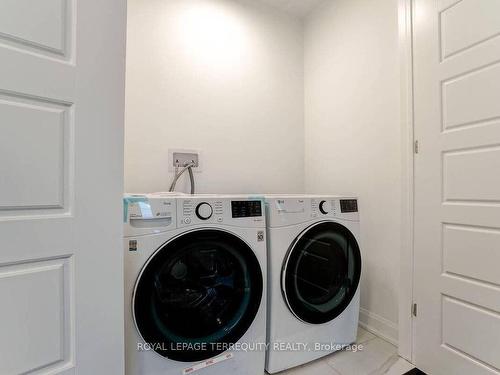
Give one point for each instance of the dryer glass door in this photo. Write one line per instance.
(321, 272)
(198, 294)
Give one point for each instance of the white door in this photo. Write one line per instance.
(61, 172)
(457, 186)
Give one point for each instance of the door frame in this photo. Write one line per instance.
(406, 278)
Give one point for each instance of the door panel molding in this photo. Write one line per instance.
(455, 32)
(23, 287)
(39, 143)
(33, 35)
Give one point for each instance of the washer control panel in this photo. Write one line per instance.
(243, 212)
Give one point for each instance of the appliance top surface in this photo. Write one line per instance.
(305, 196)
(223, 196)
(175, 194)
(160, 194)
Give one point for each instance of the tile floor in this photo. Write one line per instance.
(378, 357)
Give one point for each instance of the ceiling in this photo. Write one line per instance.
(299, 8)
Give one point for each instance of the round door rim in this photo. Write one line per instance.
(144, 266)
(287, 258)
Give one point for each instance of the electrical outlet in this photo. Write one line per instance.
(178, 158)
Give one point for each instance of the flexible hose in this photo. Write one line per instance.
(191, 178)
(187, 167)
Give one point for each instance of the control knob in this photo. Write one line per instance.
(322, 207)
(204, 211)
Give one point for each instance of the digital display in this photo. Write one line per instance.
(348, 205)
(246, 208)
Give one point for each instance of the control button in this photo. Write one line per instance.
(204, 211)
(219, 219)
(322, 207)
(187, 221)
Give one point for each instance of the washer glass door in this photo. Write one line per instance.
(321, 272)
(197, 294)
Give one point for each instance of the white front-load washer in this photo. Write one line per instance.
(195, 285)
(314, 268)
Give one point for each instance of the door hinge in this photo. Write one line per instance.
(414, 309)
(415, 146)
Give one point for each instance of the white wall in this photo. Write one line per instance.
(352, 135)
(224, 77)
(227, 77)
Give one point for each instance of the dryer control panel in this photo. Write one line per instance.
(288, 210)
(340, 208)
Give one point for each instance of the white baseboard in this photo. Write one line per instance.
(379, 326)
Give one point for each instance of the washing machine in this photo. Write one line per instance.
(195, 284)
(314, 268)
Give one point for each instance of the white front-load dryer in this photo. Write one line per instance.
(314, 268)
(195, 285)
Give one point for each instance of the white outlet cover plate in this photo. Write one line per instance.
(171, 151)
